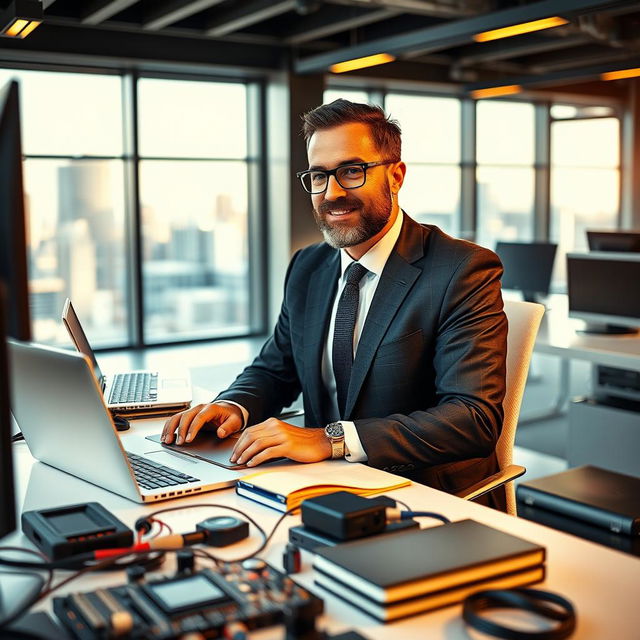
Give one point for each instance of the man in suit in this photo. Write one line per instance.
(393, 331)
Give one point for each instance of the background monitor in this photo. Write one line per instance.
(613, 240)
(13, 236)
(527, 267)
(603, 290)
(7, 494)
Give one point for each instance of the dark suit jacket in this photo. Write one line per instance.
(429, 374)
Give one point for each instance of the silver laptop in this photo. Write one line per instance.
(59, 406)
(139, 393)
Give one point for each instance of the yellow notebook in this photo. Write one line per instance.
(285, 489)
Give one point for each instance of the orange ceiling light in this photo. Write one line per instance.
(621, 75)
(495, 92)
(517, 29)
(361, 63)
(20, 17)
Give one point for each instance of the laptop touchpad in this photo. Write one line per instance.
(209, 449)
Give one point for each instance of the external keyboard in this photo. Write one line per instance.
(134, 387)
(151, 475)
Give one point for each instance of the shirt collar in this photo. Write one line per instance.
(376, 258)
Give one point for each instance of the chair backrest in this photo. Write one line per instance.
(524, 320)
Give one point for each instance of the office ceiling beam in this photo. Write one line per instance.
(98, 11)
(170, 11)
(525, 45)
(423, 7)
(453, 33)
(581, 74)
(335, 20)
(580, 59)
(93, 43)
(245, 14)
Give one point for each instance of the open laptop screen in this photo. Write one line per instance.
(72, 323)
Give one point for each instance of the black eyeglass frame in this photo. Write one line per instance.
(334, 172)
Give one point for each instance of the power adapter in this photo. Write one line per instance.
(343, 515)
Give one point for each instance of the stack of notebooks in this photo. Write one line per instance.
(285, 489)
(405, 573)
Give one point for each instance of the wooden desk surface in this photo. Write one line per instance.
(602, 583)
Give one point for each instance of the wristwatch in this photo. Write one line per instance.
(335, 434)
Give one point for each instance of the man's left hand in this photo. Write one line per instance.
(276, 439)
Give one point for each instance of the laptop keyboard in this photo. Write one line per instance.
(134, 387)
(151, 475)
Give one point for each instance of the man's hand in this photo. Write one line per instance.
(276, 439)
(186, 424)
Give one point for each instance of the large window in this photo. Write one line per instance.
(431, 149)
(505, 172)
(193, 195)
(190, 168)
(585, 181)
(74, 193)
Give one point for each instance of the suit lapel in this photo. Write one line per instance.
(320, 295)
(396, 281)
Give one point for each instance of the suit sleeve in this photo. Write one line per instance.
(470, 365)
(270, 383)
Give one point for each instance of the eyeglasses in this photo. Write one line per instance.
(348, 176)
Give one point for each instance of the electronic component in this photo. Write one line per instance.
(250, 595)
(291, 558)
(223, 530)
(67, 531)
(343, 515)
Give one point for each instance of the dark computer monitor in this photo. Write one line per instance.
(7, 494)
(13, 233)
(527, 267)
(613, 240)
(603, 290)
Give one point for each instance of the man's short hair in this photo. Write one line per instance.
(384, 131)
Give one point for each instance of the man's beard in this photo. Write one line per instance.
(372, 220)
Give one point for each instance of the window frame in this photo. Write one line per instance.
(131, 159)
(468, 212)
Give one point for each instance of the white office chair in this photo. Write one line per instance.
(524, 320)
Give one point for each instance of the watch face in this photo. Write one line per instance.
(334, 430)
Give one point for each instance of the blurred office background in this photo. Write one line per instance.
(161, 140)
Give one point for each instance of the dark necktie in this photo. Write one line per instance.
(343, 332)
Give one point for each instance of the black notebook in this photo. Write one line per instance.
(602, 498)
(388, 570)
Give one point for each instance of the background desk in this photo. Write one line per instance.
(560, 336)
(603, 584)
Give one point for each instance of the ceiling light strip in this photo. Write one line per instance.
(495, 92)
(517, 29)
(361, 63)
(621, 75)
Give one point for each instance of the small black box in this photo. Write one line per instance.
(343, 515)
(66, 531)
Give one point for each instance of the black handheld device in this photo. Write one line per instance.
(66, 531)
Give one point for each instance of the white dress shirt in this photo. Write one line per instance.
(374, 261)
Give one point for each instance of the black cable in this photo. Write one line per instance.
(404, 505)
(405, 515)
(17, 437)
(533, 600)
(265, 538)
